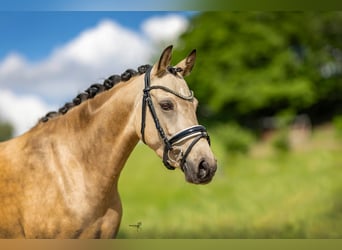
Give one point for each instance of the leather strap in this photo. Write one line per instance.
(197, 131)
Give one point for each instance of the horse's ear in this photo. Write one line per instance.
(160, 67)
(187, 63)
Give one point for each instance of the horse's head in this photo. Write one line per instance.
(169, 124)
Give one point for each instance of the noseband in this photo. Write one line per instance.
(195, 132)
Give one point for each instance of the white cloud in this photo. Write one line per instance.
(11, 64)
(95, 54)
(27, 89)
(165, 29)
(21, 111)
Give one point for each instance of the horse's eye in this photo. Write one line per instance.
(166, 105)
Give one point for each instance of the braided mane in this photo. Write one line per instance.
(95, 89)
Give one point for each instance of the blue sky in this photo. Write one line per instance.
(34, 34)
(95, 5)
(47, 57)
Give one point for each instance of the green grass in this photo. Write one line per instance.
(265, 194)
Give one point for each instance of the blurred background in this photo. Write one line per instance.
(269, 86)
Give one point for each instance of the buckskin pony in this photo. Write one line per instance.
(59, 179)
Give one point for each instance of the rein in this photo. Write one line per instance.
(196, 132)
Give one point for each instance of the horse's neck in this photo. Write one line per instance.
(95, 138)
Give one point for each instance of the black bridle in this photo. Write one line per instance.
(196, 132)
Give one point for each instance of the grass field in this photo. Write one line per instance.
(265, 194)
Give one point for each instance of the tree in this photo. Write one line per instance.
(6, 131)
(256, 64)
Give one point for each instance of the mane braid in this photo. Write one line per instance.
(95, 89)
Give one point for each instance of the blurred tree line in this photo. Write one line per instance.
(253, 66)
(6, 131)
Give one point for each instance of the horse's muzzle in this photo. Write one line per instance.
(201, 174)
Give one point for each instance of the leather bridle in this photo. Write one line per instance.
(196, 132)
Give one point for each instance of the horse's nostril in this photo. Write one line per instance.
(203, 169)
(204, 165)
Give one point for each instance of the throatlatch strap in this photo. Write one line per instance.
(146, 95)
(143, 119)
(148, 100)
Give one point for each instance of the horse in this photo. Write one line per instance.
(60, 178)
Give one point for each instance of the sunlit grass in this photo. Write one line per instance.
(271, 195)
